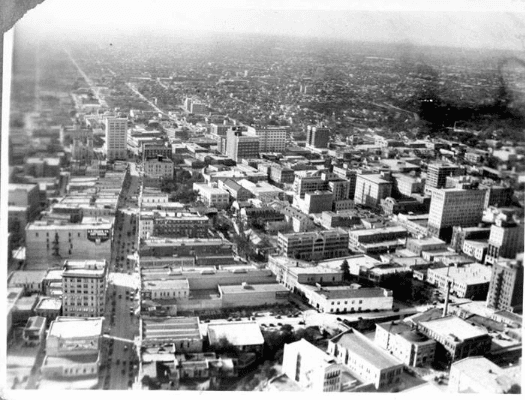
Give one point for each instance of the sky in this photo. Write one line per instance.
(459, 23)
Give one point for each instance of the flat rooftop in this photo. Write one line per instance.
(240, 333)
(70, 327)
(469, 274)
(35, 323)
(347, 292)
(253, 288)
(172, 284)
(49, 303)
(453, 326)
(366, 350)
(176, 328)
(51, 361)
(23, 277)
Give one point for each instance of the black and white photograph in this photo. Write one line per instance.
(317, 196)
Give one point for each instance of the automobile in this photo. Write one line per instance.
(124, 363)
(272, 325)
(117, 362)
(339, 319)
(120, 296)
(123, 372)
(206, 321)
(395, 309)
(278, 317)
(301, 322)
(125, 348)
(279, 324)
(230, 319)
(263, 325)
(238, 319)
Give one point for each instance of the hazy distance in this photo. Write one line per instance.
(464, 23)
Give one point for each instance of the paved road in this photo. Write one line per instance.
(95, 89)
(121, 325)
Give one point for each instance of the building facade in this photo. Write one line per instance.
(239, 145)
(84, 288)
(317, 136)
(370, 189)
(271, 138)
(365, 359)
(48, 242)
(405, 343)
(506, 285)
(311, 368)
(454, 207)
(116, 138)
(314, 245)
(158, 167)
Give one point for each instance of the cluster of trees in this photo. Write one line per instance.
(180, 187)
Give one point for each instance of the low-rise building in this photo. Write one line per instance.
(49, 308)
(314, 245)
(479, 375)
(369, 362)
(183, 332)
(31, 281)
(417, 246)
(476, 249)
(212, 197)
(172, 224)
(165, 289)
(335, 299)
(72, 348)
(456, 338)
(466, 281)
(252, 295)
(34, 331)
(405, 343)
(158, 167)
(246, 336)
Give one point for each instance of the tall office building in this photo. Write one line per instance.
(271, 138)
(370, 189)
(317, 136)
(239, 146)
(84, 288)
(506, 285)
(437, 174)
(505, 240)
(454, 207)
(116, 138)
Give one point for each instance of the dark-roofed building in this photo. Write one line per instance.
(364, 358)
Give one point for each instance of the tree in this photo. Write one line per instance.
(346, 270)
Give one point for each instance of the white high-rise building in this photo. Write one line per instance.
(454, 207)
(116, 138)
(271, 138)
